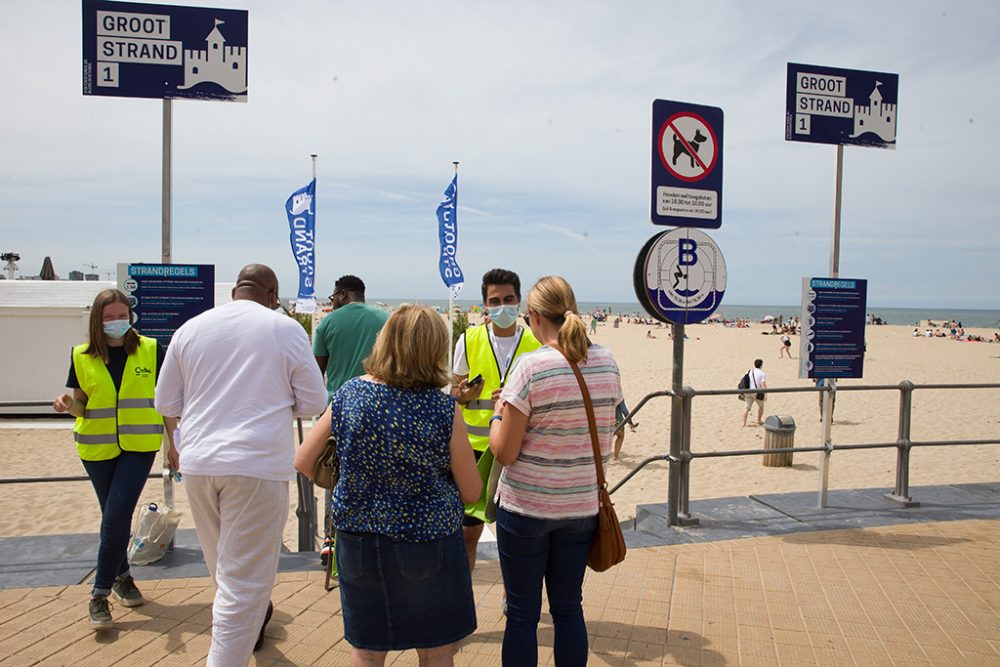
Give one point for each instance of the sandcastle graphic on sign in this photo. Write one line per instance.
(218, 63)
(302, 203)
(878, 117)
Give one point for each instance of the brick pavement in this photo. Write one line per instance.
(904, 595)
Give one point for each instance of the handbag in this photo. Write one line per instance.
(491, 491)
(153, 532)
(326, 470)
(608, 547)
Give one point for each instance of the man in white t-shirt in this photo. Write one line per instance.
(758, 380)
(236, 376)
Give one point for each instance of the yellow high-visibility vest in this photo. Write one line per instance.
(123, 420)
(483, 361)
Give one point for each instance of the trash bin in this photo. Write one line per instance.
(779, 432)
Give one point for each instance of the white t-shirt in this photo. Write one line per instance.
(503, 348)
(236, 376)
(757, 378)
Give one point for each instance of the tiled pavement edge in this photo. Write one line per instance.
(902, 595)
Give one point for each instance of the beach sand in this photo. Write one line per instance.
(715, 358)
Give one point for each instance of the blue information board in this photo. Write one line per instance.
(686, 189)
(833, 328)
(826, 105)
(165, 296)
(164, 51)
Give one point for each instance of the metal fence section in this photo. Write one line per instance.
(679, 514)
(305, 511)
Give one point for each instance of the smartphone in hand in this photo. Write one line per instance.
(476, 380)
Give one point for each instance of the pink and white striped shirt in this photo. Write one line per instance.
(554, 475)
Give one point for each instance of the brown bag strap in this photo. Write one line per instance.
(591, 420)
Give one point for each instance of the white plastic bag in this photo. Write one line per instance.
(154, 530)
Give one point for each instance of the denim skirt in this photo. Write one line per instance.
(401, 595)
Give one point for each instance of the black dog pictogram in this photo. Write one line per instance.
(681, 149)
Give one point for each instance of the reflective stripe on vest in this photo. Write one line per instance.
(482, 361)
(125, 420)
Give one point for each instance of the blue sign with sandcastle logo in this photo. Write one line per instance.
(164, 51)
(841, 106)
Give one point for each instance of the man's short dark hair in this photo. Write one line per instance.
(757, 363)
(349, 283)
(501, 277)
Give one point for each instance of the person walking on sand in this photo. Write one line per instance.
(117, 434)
(758, 380)
(236, 376)
(785, 347)
(487, 352)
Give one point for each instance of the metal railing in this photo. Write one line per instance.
(305, 511)
(682, 401)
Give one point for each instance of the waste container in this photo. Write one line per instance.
(779, 432)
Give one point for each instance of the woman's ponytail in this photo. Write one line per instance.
(573, 337)
(553, 298)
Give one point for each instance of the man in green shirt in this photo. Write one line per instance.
(344, 338)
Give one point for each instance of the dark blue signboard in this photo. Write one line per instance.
(833, 328)
(165, 296)
(164, 51)
(825, 105)
(686, 188)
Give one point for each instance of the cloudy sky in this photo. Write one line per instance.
(547, 106)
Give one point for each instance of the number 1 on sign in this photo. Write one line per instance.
(802, 124)
(107, 76)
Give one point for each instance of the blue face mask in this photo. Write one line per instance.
(116, 328)
(503, 316)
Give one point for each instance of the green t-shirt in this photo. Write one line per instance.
(345, 337)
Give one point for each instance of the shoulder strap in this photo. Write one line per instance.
(591, 419)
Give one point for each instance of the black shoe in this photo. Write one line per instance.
(267, 618)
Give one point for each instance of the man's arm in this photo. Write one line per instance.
(306, 381)
(321, 362)
(169, 400)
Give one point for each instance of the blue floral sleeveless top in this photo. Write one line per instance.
(395, 474)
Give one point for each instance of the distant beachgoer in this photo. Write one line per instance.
(593, 324)
(621, 412)
(117, 434)
(758, 380)
(785, 347)
(236, 376)
(649, 334)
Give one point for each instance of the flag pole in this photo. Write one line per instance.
(313, 156)
(451, 292)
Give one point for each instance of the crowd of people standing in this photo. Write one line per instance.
(415, 461)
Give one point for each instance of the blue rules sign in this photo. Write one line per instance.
(824, 105)
(164, 52)
(833, 328)
(165, 296)
(686, 188)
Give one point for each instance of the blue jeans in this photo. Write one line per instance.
(553, 550)
(118, 483)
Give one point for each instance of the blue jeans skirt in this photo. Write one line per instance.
(401, 595)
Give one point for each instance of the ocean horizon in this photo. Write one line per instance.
(989, 319)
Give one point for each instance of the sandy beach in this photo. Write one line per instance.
(715, 358)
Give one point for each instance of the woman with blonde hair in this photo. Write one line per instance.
(406, 469)
(547, 505)
(117, 434)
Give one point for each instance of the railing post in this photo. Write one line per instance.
(901, 493)
(684, 517)
(829, 395)
(676, 419)
(306, 509)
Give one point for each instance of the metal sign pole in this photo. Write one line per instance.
(676, 426)
(824, 459)
(165, 245)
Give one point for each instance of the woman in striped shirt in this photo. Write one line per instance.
(547, 507)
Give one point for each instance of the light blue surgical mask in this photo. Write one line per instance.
(116, 328)
(503, 316)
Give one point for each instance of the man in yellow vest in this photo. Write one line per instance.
(484, 356)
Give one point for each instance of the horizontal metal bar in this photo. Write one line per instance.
(867, 445)
(754, 452)
(946, 443)
(954, 386)
(26, 404)
(645, 399)
(63, 478)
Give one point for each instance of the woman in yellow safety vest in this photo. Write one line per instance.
(117, 434)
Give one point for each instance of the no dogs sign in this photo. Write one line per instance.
(686, 186)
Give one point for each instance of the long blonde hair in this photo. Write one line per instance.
(553, 298)
(411, 351)
(98, 340)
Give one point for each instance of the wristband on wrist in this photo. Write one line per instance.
(496, 418)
